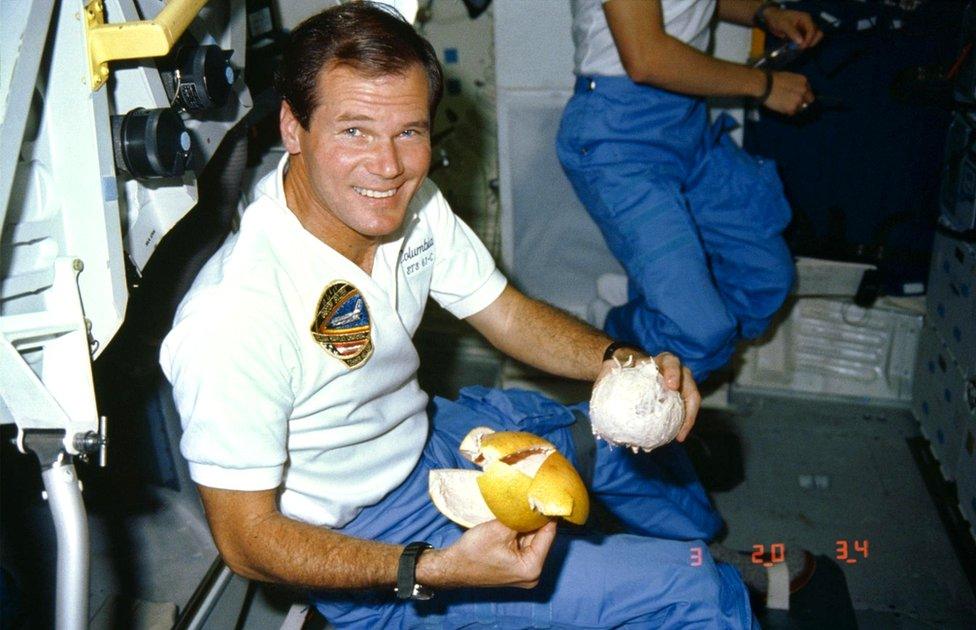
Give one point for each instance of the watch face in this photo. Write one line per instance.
(422, 592)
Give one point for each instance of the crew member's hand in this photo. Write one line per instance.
(676, 377)
(489, 555)
(791, 93)
(796, 26)
(679, 378)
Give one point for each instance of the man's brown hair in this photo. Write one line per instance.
(369, 37)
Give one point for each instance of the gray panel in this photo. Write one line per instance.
(550, 247)
(873, 492)
(533, 44)
(556, 250)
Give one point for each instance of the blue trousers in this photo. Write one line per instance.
(695, 221)
(660, 575)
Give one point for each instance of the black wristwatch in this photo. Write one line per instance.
(407, 587)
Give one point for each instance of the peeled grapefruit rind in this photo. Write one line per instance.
(554, 490)
(505, 491)
(456, 495)
(526, 482)
(511, 443)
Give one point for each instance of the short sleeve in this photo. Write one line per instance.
(231, 376)
(465, 278)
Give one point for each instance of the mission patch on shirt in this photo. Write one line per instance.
(342, 324)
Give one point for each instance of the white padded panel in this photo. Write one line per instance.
(551, 248)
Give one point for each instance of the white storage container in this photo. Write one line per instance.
(834, 347)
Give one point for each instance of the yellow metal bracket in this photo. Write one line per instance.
(134, 40)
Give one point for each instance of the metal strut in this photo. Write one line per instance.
(64, 498)
(62, 489)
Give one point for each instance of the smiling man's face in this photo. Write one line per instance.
(366, 152)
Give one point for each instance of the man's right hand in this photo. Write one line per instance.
(488, 555)
(791, 93)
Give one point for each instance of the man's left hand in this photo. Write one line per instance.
(676, 377)
(796, 26)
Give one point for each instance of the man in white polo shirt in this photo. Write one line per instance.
(294, 374)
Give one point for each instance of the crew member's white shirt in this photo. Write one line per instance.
(596, 53)
(265, 404)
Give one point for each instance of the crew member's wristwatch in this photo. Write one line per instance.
(407, 587)
(617, 345)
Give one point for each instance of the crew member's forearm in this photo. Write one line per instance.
(556, 342)
(259, 543)
(282, 550)
(738, 11)
(675, 66)
(542, 336)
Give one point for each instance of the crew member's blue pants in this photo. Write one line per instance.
(695, 221)
(658, 576)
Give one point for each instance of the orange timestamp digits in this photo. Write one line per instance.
(844, 550)
(777, 554)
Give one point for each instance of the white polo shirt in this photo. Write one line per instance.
(292, 367)
(596, 53)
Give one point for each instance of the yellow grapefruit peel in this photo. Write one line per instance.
(525, 482)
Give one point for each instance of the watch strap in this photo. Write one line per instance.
(407, 569)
